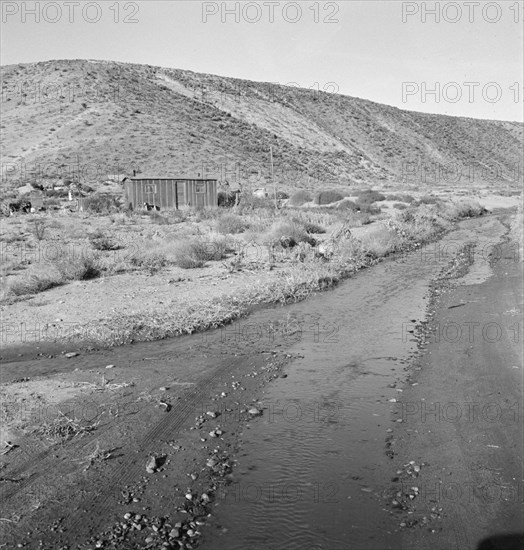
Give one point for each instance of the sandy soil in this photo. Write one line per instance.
(58, 311)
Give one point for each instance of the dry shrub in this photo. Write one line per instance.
(230, 224)
(309, 227)
(101, 204)
(381, 242)
(59, 271)
(462, 209)
(327, 197)
(517, 233)
(368, 208)
(63, 428)
(101, 241)
(38, 229)
(158, 219)
(78, 269)
(347, 204)
(196, 252)
(370, 196)
(288, 228)
(401, 197)
(420, 225)
(151, 260)
(226, 199)
(428, 199)
(249, 202)
(299, 198)
(356, 219)
(37, 281)
(363, 218)
(12, 237)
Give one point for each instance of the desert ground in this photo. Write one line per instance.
(142, 354)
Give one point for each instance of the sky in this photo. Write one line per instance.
(455, 58)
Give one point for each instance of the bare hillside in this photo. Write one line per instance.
(94, 118)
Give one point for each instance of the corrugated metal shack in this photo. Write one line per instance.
(170, 192)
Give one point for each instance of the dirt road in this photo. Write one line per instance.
(157, 445)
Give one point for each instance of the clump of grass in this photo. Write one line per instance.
(63, 428)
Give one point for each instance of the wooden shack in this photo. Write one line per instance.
(175, 193)
(37, 200)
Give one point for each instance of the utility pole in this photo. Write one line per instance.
(273, 176)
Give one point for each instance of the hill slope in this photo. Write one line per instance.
(92, 118)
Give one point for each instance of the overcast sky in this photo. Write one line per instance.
(387, 51)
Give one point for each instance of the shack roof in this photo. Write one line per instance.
(170, 178)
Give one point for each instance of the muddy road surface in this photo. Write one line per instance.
(297, 427)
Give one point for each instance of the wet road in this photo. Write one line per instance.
(314, 468)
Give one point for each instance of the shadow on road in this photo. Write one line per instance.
(503, 542)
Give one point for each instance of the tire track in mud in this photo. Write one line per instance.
(34, 467)
(97, 508)
(35, 460)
